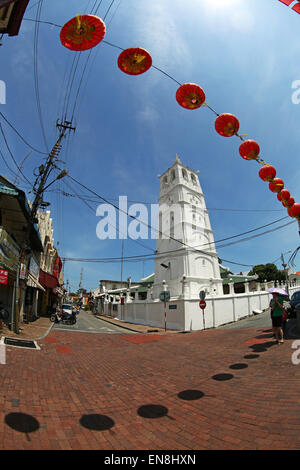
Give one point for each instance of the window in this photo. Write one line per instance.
(194, 217)
(172, 224)
(173, 175)
(193, 178)
(160, 225)
(184, 174)
(165, 180)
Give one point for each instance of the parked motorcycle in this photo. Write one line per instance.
(65, 318)
(4, 314)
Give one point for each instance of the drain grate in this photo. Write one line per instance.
(21, 343)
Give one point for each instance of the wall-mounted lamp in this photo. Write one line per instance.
(164, 265)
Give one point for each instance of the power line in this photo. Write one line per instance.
(227, 238)
(136, 241)
(7, 166)
(140, 221)
(149, 257)
(12, 157)
(21, 137)
(35, 71)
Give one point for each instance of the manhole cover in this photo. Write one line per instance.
(21, 343)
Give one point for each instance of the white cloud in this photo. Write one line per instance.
(159, 29)
(148, 114)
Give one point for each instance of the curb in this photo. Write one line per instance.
(47, 332)
(120, 326)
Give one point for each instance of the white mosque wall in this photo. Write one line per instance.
(186, 315)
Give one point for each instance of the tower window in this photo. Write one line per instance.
(193, 178)
(172, 224)
(173, 175)
(184, 174)
(160, 225)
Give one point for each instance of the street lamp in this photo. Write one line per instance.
(61, 175)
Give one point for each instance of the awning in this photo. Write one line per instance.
(58, 291)
(47, 280)
(33, 282)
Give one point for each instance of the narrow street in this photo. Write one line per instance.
(262, 320)
(214, 389)
(88, 323)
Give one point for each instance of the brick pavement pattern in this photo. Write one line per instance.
(214, 389)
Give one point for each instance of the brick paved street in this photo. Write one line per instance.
(215, 389)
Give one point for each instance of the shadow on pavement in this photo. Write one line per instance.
(238, 366)
(152, 411)
(22, 422)
(190, 394)
(96, 422)
(251, 356)
(222, 377)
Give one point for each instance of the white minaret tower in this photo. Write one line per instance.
(191, 265)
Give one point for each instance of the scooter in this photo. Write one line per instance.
(65, 318)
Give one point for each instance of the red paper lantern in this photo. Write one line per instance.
(227, 125)
(290, 211)
(295, 210)
(82, 32)
(249, 150)
(279, 197)
(289, 202)
(134, 61)
(267, 173)
(276, 185)
(283, 202)
(285, 195)
(190, 96)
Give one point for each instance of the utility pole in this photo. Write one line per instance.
(286, 274)
(122, 259)
(81, 277)
(44, 171)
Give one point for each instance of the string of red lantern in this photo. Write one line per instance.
(134, 61)
(82, 32)
(296, 7)
(86, 31)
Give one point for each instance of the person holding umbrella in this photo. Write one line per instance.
(277, 312)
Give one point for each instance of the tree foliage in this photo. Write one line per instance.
(267, 272)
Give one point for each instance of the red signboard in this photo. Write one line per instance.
(3, 276)
(57, 267)
(202, 304)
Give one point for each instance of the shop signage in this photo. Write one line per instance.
(22, 271)
(3, 276)
(34, 268)
(9, 251)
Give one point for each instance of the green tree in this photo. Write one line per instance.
(267, 272)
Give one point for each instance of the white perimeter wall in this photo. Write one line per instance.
(188, 316)
(225, 309)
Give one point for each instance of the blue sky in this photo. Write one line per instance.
(243, 53)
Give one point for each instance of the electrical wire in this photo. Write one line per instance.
(21, 137)
(152, 228)
(117, 229)
(35, 71)
(12, 157)
(7, 166)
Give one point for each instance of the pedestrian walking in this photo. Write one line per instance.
(284, 320)
(277, 313)
(272, 306)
